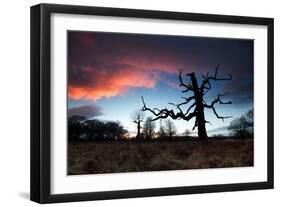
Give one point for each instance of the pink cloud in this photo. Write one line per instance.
(98, 84)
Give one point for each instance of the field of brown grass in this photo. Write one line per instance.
(117, 157)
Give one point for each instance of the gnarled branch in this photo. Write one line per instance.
(164, 113)
(187, 100)
(206, 85)
(190, 107)
(177, 105)
(219, 101)
(195, 124)
(187, 86)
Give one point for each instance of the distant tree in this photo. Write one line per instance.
(114, 130)
(218, 135)
(137, 117)
(170, 128)
(186, 133)
(95, 130)
(111, 130)
(237, 127)
(75, 127)
(149, 128)
(161, 131)
(104, 131)
(243, 126)
(249, 116)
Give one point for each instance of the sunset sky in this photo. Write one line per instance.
(109, 72)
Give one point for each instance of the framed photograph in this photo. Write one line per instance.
(133, 103)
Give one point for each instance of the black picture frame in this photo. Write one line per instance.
(41, 95)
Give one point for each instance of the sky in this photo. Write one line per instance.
(109, 72)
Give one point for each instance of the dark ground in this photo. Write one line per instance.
(130, 156)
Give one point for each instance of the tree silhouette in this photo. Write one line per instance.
(199, 104)
(94, 130)
(137, 117)
(186, 133)
(114, 130)
(75, 127)
(161, 132)
(149, 128)
(170, 128)
(243, 126)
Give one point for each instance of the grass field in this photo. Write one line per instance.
(128, 156)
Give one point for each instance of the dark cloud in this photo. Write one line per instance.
(88, 111)
(240, 90)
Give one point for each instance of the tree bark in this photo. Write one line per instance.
(200, 121)
(201, 126)
(139, 127)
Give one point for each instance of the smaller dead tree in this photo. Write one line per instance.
(170, 128)
(149, 128)
(137, 117)
(186, 133)
(161, 132)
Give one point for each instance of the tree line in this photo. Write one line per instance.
(80, 128)
(146, 128)
(243, 126)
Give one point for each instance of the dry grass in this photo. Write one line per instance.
(116, 157)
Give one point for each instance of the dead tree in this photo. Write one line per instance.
(196, 101)
(170, 128)
(137, 117)
(148, 128)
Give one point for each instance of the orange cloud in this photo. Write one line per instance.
(103, 65)
(99, 84)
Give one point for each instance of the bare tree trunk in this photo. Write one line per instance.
(202, 133)
(139, 127)
(200, 118)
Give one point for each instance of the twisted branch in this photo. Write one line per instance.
(219, 101)
(188, 87)
(206, 85)
(164, 113)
